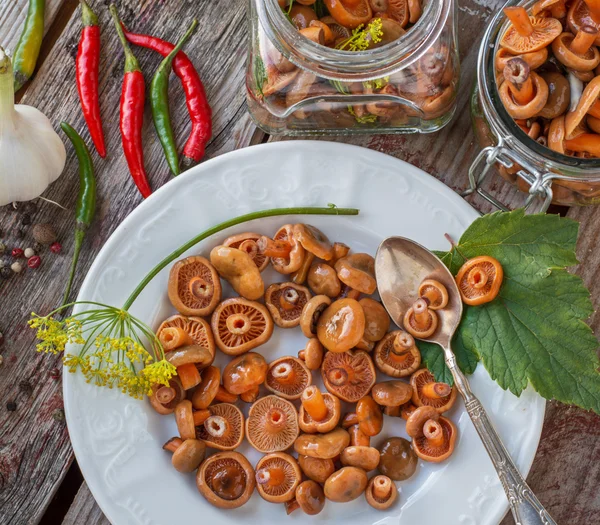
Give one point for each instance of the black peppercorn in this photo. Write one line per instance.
(21, 232)
(37, 247)
(58, 414)
(11, 406)
(6, 272)
(25, 387)
(25, 219)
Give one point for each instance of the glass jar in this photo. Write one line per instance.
(533, 168)
(406, 86)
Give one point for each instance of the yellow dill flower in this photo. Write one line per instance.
(377, 83)
(51, 333)
(159, 372)
(362, 39)
(365, 119)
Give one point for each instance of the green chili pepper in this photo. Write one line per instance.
(28, 49)
(159, 100)
(86, 202)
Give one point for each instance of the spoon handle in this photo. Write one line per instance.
(526, 508)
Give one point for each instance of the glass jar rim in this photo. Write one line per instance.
(353, 66)
(498, 117)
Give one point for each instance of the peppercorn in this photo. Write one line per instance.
(55, 247)
(29, 253)
(58, 414)
(11, 406)
(5, 272)
(21, 232)
(34, 262)
(2, 248)
(17, 253)
(44, 233)
(16, 267)
(26, 219)
(55, 373)
(37, 247)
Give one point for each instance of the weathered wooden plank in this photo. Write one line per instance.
(34, 445)
(85, 510)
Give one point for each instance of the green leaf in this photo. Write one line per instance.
(534, 331)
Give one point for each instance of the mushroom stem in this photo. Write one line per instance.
(165, 394)
(270, 476)
(403, 344)
(436, 390)
(200, 416)
(314, 404)
(414, 9)
(284, 373)
(586, 143)
(291, 506)
(249, 246)
(392, 411)
(535, 130)
(519, 19)
(338, 376)
(421, 313)
(217, 427)
(477, 278)
(350, 419)
(434, 433)
(271, 248)
(594, 7)
(173, 444)
(517, 74)
(225, 397)
(432, 295)
(382, 487)
(584, 39)
(238, 324)
(251, 395)
(558, 9)
(289, 298)
(173, 337)
(275, 420)
(199, 288)
(299, 276)
(406, 410)
(358, 438)
(594, 110)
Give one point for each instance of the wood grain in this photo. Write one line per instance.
(85, 510)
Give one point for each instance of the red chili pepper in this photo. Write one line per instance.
(132, 113)
(88, 64)
(195, 96)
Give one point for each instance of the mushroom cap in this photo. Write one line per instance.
(285, 301)
(473, 290)
(411, 324)
(579, 16)
(311, 312)
(545, 30)
(206, 391)
(561, 47)
(292, 476)
(427, 452)
(293, 261)
(346, 484)
(384, 356)
(224, 429)
(310, 497)
(314, 241)
(350, 14)
(379, 503)
(288, 377)
(196, 327)
(226, 480)
(323, 446)
(244, 373)
(194, 286)
(239, 270)
(392, 393)
(574, 118)
(534, 59)
(559, 95)
(349, 375)
(240, 325)
(272, 424)
(358, 272)
(167, 408)
(313, 354)
(556, 134)
(377, 320)
(323, 280)
(415, 422)
(317, 469)
(397, 459)
(418, 380)
(431, 286)
(189, 455)
(334, 412)
(370, 417)
(366, 458)
(341, 326)
(185, 355)
(277, 81)
(247, 242)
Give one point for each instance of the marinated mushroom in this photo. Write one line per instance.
(247, 242)
(339, 250)
(194, 286)
(277, 477)
(341, 326)
(349, 375)
(173, 332)
(245, 373)
(164, 399)
(577, 52)
(184, 417)
(323, 280)
(397, 459)
(272, 424)
(397, 355)
(358, 272)
(314, 241)
(310, 314)
(435, 293)
(301, 274)
(189, 360)
(285, 302)
(240, 325)
(226, 480)
(276, 81)
(426, 391)
(312, 355)
(479, 280)
(318, 412)
(360, 453)
(323, 446)
(288, 377)
(559, 95)
(377, 320)
(310, 497)
(370, 418)
(187, 455)
(239, 270)
(420, 321)
(392, 393)
(346, 484)
(586, 103)
(524, 93)
(224, 429)
(207, 389)
(317, 469)
(302, 15)
(528, 33)
(293, 260)
(397, 10)
(433, 435)
(381, 492)
(534, 59)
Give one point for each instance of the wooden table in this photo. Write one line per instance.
(39, 481)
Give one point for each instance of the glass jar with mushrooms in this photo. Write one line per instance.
(535, 109)
(316, 419)
(352, 66)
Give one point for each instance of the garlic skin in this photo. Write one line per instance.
(32, 155)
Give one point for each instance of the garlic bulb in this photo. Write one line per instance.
(31, 153)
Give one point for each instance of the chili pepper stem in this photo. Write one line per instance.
(88, 16)
(131, 63)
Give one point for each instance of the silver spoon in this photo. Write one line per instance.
(400, 266)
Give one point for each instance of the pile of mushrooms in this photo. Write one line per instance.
(315, 445)
(429, 83)
(548, 74)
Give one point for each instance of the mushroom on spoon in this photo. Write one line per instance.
(400, 267)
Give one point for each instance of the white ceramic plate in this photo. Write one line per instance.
(118, 440)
